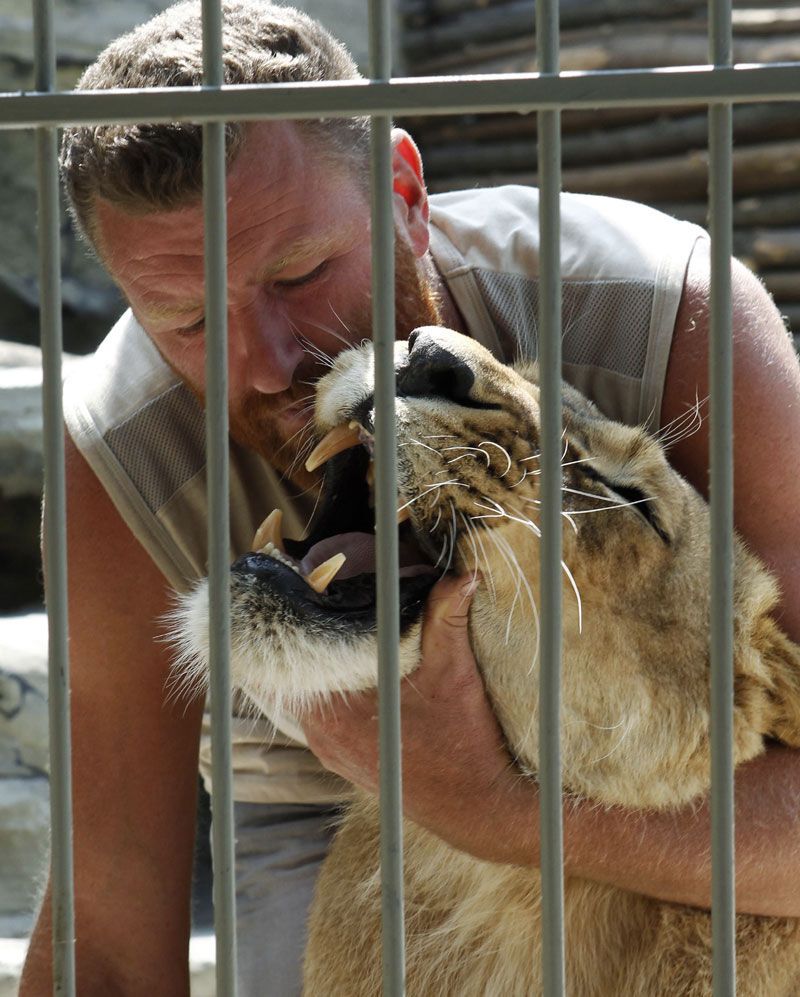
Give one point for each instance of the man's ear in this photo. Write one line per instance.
(411, 197)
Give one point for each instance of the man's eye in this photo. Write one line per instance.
(306, 278)
(193, 329)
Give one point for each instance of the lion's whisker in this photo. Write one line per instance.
(614, 747)
(441, 552)
(491, 443)
(420, 444)
(347, 342)
(311, 348)
(317, 500)
(428, 490)
(599, 498)
(471, 539)
(522, 580)
(682, 426)
(502, 549)
(525, 474)
(472, 450)
(608, 508)
(486, 561)
(586, 512)
(453, 535)
(565, 567)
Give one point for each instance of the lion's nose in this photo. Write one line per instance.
(432, 369)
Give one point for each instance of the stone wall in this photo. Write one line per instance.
(83, 27)
(24, 798)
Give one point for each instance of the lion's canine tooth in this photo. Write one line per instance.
(403, 513)
(321, 577)
(371, 473)
(338, 439)
(270, 532)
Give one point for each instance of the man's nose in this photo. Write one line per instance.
(264, 352)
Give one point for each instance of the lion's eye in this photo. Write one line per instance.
(641, 503)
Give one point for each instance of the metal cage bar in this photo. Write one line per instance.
(216, 324)
(386, 553)
(55, 550)
(720, 195)
(550, 610)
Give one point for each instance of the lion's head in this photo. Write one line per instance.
(635, 575)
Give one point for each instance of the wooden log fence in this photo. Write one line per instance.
(655, 156)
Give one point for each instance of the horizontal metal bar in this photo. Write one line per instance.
(426, 95)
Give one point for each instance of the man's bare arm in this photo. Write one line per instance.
(459, 780)
(134, 766)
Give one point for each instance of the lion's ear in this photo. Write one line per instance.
(781, 657)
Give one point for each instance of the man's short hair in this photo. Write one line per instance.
(154, 167)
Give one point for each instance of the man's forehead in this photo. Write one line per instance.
(161, 304)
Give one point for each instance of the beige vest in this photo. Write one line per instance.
(142, 431)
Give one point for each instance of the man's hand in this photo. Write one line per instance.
(458, 775)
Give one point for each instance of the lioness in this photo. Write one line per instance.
(635, 723)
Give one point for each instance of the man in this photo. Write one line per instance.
(298, 282)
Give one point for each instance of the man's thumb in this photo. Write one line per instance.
(450, 599)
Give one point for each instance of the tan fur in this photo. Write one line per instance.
(635, 690)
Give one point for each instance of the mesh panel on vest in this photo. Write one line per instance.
(594, 315)
(162, 445)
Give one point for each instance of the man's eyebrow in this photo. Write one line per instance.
(159, 311)
(302, 249)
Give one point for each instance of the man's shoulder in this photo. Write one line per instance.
(124, 374)
(602, 238)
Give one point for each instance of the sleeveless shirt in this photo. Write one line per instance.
(142, 430)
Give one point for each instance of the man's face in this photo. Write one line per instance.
(299, 278)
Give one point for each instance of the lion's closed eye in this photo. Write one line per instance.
(644, 504)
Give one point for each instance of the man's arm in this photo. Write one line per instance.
(766, 384)
(134, 766)
(471, 796)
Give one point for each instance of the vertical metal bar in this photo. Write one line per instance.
(388, 591)
(551, 833)
(63, 895)
(216, 325)
(723, 909)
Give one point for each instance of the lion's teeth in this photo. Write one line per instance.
(321, 577)
(270, 550)
(403, 513)
(371, 473)
(270, 532)
(338, 439)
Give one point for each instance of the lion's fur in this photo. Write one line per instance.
(635, 692)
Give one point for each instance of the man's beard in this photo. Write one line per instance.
(255, 421)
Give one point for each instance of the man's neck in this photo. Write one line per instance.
(451, 316)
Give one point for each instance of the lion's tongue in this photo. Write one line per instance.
(358, 549)
(359, 552)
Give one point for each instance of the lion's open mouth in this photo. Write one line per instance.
(333, 571)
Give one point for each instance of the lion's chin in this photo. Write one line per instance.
(348, 602)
